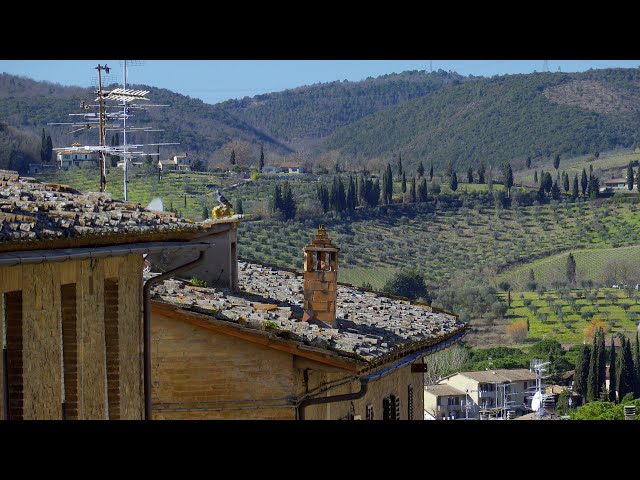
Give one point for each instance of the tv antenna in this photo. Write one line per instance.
(106, 119)
(538, 398)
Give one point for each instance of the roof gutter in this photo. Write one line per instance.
(146, 319)
(372, 377)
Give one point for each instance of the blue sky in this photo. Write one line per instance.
(218, 80)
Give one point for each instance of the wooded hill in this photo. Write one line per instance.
(439, 116)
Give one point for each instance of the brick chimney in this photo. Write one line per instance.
(321, 279)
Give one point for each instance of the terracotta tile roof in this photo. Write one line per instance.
(32, 213)
(370, 326)
(500, 375)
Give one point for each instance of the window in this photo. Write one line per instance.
(526, 385)
(369, 415)
(112, 347)
(410, 402)
(13, 355)
(391, 408)
(69, 352)
(386, 408)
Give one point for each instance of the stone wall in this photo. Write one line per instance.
(42, 350)
(200, 374)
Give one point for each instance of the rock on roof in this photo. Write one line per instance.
(371, 326)
(32, 213)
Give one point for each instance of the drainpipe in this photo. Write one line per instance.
(364, 381)
(146, 321)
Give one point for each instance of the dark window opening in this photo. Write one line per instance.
(112, 347)
(69, 351)
(410, 402)
(14, 378)
(369, 415)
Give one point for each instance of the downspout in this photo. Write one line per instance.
(364, 381)
(146, 322)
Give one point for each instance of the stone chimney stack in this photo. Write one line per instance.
(321, 279)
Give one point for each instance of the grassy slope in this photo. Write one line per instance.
(589, 264)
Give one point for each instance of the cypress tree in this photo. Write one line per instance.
(422, 191)
(453, 184)
(351, 195)
(239, 207)
(361, 191)
(528, 162)
(232, 158)
(571, 269)
(412, 195)
(48, 149)
(626, 370)
(261, 165)
(470, 175)
(602, 363)
(584, 182)
(583, 361)
(555, 191)
(575, 192)
(389, 184)
(431, 171)
(548, 182)
(481, 172)
(566, 182)
(535, 176)
(399, 165)
(404, 185)
(636, 370)
(556, 162)
(276, 204)
(630, 176)
(420, 169)
(592, 380)
(323, 197)
(289, 206)
(43, 143)
(638, 181)
(612, 373)
(508, 178)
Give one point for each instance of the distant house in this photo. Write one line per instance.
(485, 392)
(291, 167)
(616, 183)
(180, 162)
(39, 167)
(75, 157)
(270, 169)
(443, 402)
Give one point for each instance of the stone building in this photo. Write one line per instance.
(72, 300)
(291, 346)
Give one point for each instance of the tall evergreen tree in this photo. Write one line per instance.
(528, 162)
(636, 370)
(638, 179)
(612, 373)
(590, 170)
(352, 199)
(413, 194)
(566, 182)
(571, 269)
(276, 204)
(431, 171)
(582, 371)
(420, 169)
(593, 392)
(594, 187)
(556, 162)
(535, 176)
(361, 191)
(575, 192)
(453, 184)
(481, 173)
(239, 207)
(288, 202)
(48, 149)
(630, 176)
(404, 185)
(261, 164)
(399, 165)
(43, 146)
(508, 178)
(626, 370)
(602, 363)
(584, 182)
(547, 182)
(389, 185)
(232, 158)
(422, 191)
(470, 175)
(323, 197)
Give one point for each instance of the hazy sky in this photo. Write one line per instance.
(218, 80)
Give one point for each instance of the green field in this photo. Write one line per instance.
(590, 265)
(618, 313)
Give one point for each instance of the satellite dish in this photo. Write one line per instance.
(536, 403)
(156, 205)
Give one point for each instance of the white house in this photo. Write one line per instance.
(74, 158)
(180, 162)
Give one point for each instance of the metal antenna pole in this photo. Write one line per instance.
(124, 135)
(103, 132)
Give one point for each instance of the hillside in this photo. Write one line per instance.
(310, 112)
(502, 119)
(200, 128)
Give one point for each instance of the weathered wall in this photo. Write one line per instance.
(220, 265)
(395, 383)
(42, 334)
(200, 374)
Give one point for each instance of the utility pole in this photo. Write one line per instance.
(102, 110)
